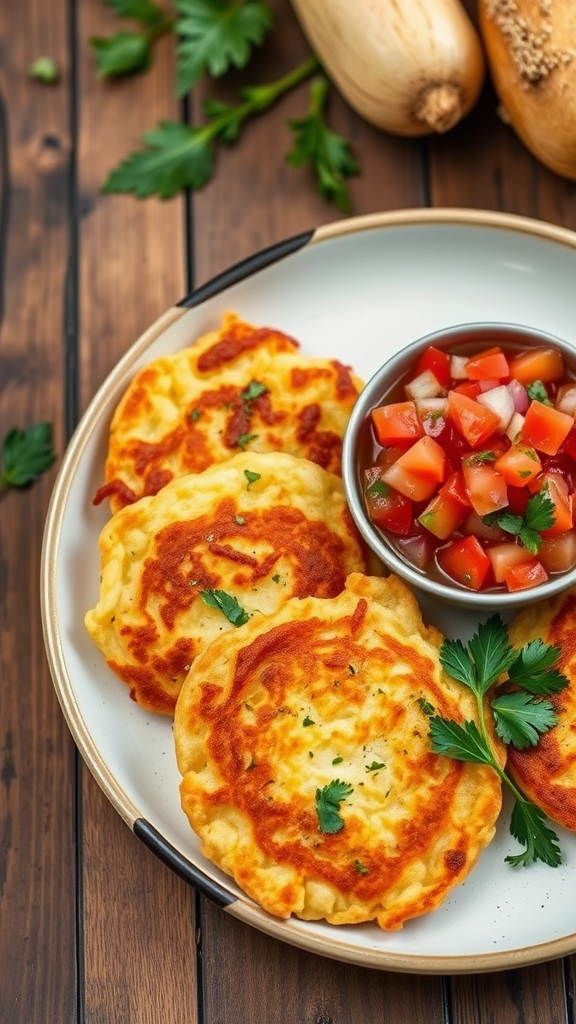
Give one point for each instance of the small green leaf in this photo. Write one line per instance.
(44, 69)
(521, 718)
(245, 439)
(528, 826)
(215, 36)
(254, 390)
(251, 477)
(532, 668)
(460, 742)
(26, 454)
(122, 54)
(227, 604)
(139, 10)
(374, 766)
(457, 663)
(177, 157)
(308, 721)
(538, 393)
(492, 652)
(328, 800)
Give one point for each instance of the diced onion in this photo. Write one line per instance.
(458, 369)
(515, 426)
(499, 400)
(519, 395)
(566, 399)
(425, 385)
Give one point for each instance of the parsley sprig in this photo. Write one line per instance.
(328, 800)
(26, 454)
(125, 53)
(539, 515)
(520, 718)
(227, 604)
(182, 157)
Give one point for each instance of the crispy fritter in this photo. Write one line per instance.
(331, 696)
(260, 527)
(241, 387)
(546, 773)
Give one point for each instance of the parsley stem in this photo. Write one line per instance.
(258, 98)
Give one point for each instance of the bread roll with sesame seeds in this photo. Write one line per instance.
(531, 49)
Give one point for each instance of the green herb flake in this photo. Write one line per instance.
(227, 604)
(44, 69)
(538, 393)
(251, 478)
(26, 454)
(337, 760)
(245, 439)
(360, 868)
(328, 800)
(308, 721)
(239, 520)
(377, 489)
(374, 766)
(276, 577)
(425, 706)
(254, 390)
(195, 415)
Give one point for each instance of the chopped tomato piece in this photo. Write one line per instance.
(503, 556)
(518, 465)
(455, 486)
(545, 364)
(426, 458)
(485, 487)
(569, 445)
(489, 364)
(474, 421)
(545, 428)
(411, 485)
(528, 574)
(465, 561)
(518, 498)
(443, 514)
(386, 508)
(389, 455)
(558, 554)
(556, 488)
(470, 388)
(396, 422)
(438, 362)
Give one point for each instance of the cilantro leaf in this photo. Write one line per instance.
(456, 661)
(377, 489)
(328, 800)
(179, 157)
(528, 826)
(533, 668)
(521, 718)
(492, 652)
(227, 604)
(460, 742)
(539, 515)
(254, 390)
(328, 154)
(26, 454)
(251, 478)
(537, 392)
(245, 439)
(215, 35)
(121, 54)
(539, 512)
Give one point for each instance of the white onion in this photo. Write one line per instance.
(515, 426)
(425, 385)
(566, 399)
(500, 401)
(458, 369)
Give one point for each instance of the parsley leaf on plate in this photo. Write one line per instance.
(328, 154)
(521, 718)
(328, 800)
(215, 36)
(534, 670)
(26, 454)
(227, 604)
(528, 826)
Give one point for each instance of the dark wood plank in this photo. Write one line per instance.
(139, 956)
(528, 996)
(256, 199)
(37, 863)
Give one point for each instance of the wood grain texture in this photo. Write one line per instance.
(37, 859)
(139, 952)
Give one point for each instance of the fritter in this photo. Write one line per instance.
(308, 774)
(208, 550)
(238, 388)
(546, 773)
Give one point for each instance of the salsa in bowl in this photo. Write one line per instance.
(459, 464)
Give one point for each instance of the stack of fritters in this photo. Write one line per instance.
(324, 698)
(546, 773)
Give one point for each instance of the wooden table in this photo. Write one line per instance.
(93, 927)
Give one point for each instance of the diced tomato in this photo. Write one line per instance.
(569, 445)
(556, 488)
(518, 498)
(386, 456)
(503, 556)
(545, 428)
(485, 487)
(545, 364)
(438, 362)
(418, 549)
(491, 533)
(518, 465)
(417, 473)
(386, 508)
(455, 486)
(528, 574)
(443, 514)
(474, 421)
(490, 364)
(470, 388)
(465, 561)
(396, 422)
(558, 554)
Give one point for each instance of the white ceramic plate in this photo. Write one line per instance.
(357, 291)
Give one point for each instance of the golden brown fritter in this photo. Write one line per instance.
(328, 697)
(260, 527)
(546, 773)
(238, 388)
